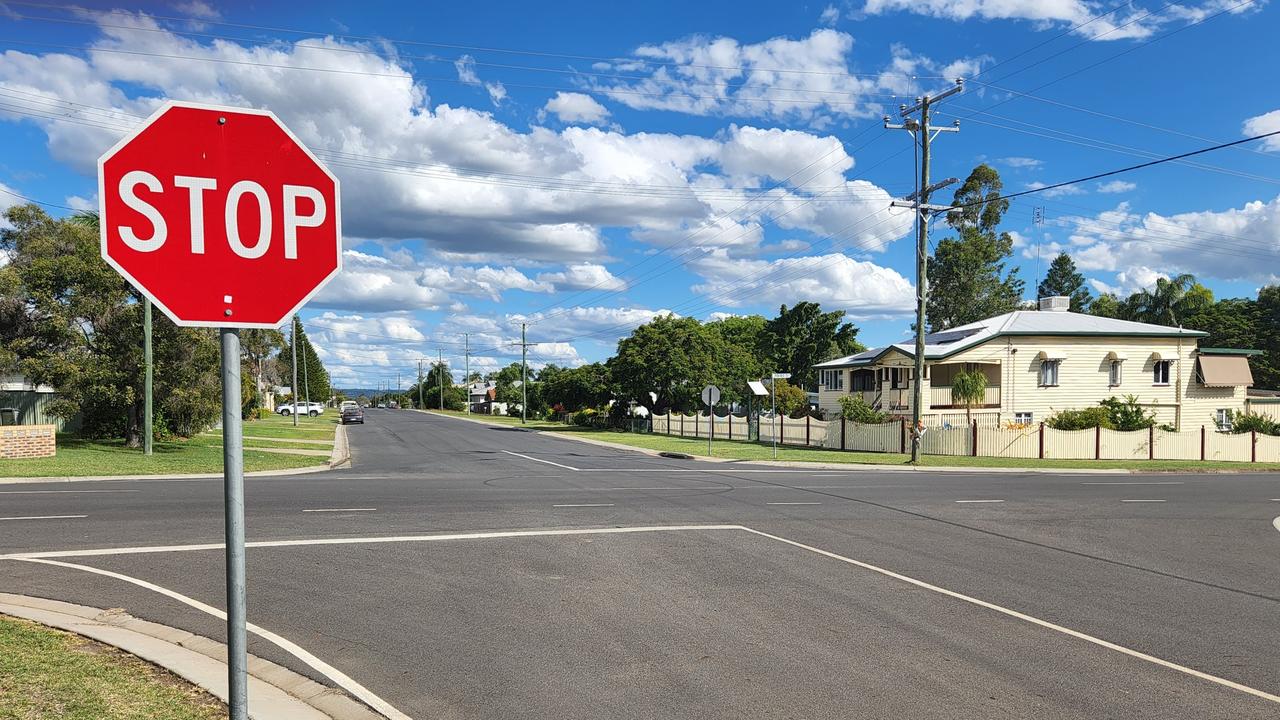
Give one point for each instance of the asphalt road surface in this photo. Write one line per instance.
(464, 571)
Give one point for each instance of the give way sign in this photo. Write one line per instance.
(219, 215)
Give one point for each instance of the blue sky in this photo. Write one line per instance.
(581, 167)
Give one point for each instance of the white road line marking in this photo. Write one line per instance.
(793, 503)
(1143, 501)
(44, 517)
(60, 492)
(341, 510)
(337, 676)
(363, 540)
(705, 487)
(1161, 482)
(1028, 618)
(1276, 523)
(587, 505)
(548, 462)
(979, 501)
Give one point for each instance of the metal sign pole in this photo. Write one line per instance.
(711, 426)
(773, 398)
(233, 498)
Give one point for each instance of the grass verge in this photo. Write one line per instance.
(741, 450)
(78, 457)
(47, 673)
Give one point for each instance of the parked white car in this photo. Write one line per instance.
(313, 409)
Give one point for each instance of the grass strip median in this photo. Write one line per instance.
(79, 457)
(46, 673)
(741, 450)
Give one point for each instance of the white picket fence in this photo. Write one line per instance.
(1038, 441)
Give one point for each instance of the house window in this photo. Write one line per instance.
(862, 380)
(1116, 373)
(1223, 419)
(1049, 372)
(900, 377)
(1023, 418)
(833, 379)
(1160, 372)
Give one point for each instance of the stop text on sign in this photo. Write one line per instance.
(196, 188)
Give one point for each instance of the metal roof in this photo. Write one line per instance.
(939, 345)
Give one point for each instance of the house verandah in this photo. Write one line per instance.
(888, 385)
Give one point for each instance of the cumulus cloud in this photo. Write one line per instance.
(584, 276)
(1262, 124)
(830, 15)
(1058, 191)
(572, 107)
(602, 324)
(1117, 186)
(371, 283)
(1128, 282)
(475, 189)
(863, 289)
(806, 79)
(484, 281)
(1234, 244)
(1086, 18)
(1021, 162)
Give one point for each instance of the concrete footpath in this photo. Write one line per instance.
(275, 692)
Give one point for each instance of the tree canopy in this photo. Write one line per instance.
(1064, 279)
(968, 279)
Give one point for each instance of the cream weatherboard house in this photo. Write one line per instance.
(1038, 362)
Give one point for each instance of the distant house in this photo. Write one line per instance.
(1038, 362)
(27, 403)
(482, 397)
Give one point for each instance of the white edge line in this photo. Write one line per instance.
(548, 462)
(341, 510)
(362, 540)
(1030, 619)
(339, 678)
(1276, 523)
(979, 501)
(1142, 501)
(1162, 482)
(44, 517)
(586, 505)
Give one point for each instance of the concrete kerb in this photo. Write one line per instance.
(341, 454)
(275, 692)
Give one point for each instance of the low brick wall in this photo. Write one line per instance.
(27, 441)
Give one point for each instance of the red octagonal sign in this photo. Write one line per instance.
(220, 216)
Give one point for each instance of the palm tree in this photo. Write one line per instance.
(1161, 305)
(969, 388)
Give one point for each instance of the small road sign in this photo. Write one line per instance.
(220, 216)
(710, 395)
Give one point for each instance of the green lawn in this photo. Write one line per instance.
(740, 450)
(202, 454)
(47, 673)
(309, 428)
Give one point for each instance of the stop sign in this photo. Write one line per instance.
(220, 216)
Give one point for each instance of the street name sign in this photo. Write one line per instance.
(220, 216)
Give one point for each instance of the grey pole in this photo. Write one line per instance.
(440, 376)
(466, 371)
(150, 376)
(233, 498)
(524, 376)
(422, 405)
(293, 390)
(306, 385)
(773, 400)
(711, 426)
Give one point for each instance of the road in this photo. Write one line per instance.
(465, 571)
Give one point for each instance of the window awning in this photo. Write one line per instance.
(1052, 355)
(1117, 355)
(1159, 355)
(1225, 371)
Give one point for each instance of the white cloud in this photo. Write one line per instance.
(1117, 186)
(805, 79)
(602, 324)
(1021, 162)
(1262, 124)
(370, 283)
(484, 281)
(1088, 19)
(830, 15)
(1056, 192)
(1128, 282)
(466, 67)
(1234, 244)
(584, 276)
(863, 289)
(198, 9)
(572, 107)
